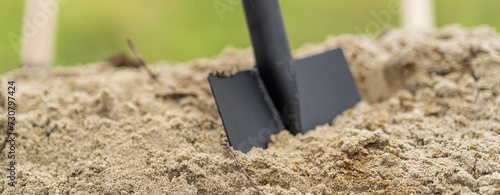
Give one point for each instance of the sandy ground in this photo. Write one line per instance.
(429, 124)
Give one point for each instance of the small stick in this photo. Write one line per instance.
(142, 64)
(241, 167)
(153, 76)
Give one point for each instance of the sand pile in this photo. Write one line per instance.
(429, 123)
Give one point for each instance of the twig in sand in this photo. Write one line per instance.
(241, 167)
(142, 64)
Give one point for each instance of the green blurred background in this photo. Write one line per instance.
(181, 30)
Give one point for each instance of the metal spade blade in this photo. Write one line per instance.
(280, 93)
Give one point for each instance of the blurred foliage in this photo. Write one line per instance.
(93, 30)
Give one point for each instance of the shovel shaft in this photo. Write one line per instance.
(273, 58)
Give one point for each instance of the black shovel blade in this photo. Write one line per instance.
(244, 107)
(326, 88)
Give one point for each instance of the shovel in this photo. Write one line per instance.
(280, 92)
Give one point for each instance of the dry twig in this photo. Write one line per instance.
(141, 62)
(241, 167)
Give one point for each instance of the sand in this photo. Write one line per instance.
(429, 123)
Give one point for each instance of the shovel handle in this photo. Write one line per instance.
(273, 58)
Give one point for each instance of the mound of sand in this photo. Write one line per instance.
(429, 123)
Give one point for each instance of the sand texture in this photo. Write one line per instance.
(429, 124)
